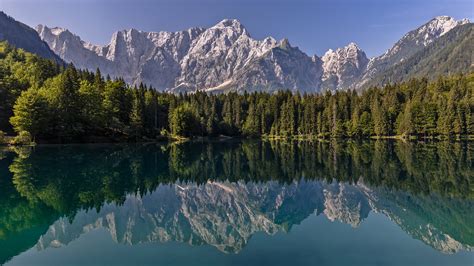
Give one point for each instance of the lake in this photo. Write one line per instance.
(238, 202)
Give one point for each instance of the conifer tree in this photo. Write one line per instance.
(381, 123)
(251, 126)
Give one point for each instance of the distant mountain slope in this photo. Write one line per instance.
(22, 36)
(451, 53)
(411, 43)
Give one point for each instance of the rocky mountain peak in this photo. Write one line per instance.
(63, 42)
(422, 36)
(447, 22)
(285, 44)
(343, 66)
(352, 46)
(350, 51)
(226, 23)
(437, 27)
(229, 27)
(55, 31)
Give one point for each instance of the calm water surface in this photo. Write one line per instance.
(238, 203)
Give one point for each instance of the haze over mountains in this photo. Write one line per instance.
(226, 58)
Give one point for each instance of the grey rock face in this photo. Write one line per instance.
(221, 58)
(226, 58)
(152, 58)
(218, 53)
(343, 67)
(282, 67)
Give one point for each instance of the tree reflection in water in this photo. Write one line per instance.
(220, 193)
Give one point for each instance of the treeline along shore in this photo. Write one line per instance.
(41, 101)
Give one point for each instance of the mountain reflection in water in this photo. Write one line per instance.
(222, 193)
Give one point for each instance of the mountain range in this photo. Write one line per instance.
(226, 58)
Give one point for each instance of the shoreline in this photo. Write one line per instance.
(178, 139)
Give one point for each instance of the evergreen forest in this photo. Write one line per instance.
(43, 101)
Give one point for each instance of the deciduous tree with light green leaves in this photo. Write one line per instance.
(183, 121)
(31, 113)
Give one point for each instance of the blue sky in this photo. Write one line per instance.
(314, 26)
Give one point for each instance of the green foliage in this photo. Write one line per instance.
(19, 71)
(70, 105)
(92, 110)
(108, 173)
(252, 123)
(381, 121)
(23, 138)
(183, 121)
(31, 113)
(117, 104)
(2, 138)
(365, 125)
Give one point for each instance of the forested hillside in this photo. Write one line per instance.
(450, 54)
(51, 103)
